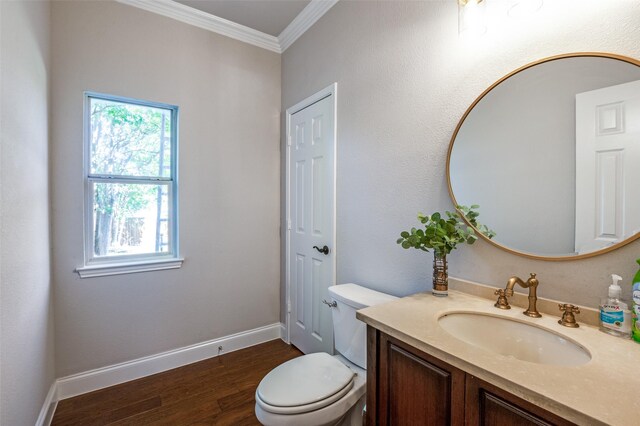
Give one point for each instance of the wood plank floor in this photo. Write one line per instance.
(217, 391)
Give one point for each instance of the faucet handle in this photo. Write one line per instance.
(568, 318)
(502, 302)
(569, 307)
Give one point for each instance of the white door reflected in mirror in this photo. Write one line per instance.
(607, 130)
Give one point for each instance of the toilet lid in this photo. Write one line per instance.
(309, 379)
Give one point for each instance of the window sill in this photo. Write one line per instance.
(106, 269)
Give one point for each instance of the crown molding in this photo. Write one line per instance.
(305, 19)
(180, 12)
(207, 21)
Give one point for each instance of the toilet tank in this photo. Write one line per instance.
(350, 334)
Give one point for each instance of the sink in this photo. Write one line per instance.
(512, 338)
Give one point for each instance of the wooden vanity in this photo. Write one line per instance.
(406, 386)
(420, 374)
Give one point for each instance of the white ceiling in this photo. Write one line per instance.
(269, 16)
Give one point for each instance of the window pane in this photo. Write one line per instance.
(131, 140)
(130, 219)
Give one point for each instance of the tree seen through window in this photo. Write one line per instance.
(130, 176)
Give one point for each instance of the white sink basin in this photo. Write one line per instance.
(512, 338)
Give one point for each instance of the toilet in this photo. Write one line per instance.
(320, 389)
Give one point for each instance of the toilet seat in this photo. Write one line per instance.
(304, 384)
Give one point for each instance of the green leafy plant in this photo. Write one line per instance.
(442, 234)
(471, 215)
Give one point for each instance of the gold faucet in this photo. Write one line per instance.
(531, 284)
(502, 302)
(568, 318)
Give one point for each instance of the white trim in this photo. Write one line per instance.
(331, 90)
(189, 15)
(49, 406)
(305, 20)
(100, 378)
(106, 269)
(210, 22)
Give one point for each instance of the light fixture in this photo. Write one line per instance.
(472, 18)
(523, 8)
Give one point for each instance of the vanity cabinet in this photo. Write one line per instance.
(486, 404)
(406, 386)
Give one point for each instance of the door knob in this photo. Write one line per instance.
(323, 250)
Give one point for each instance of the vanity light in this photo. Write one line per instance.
(523, 8)
(472, 18)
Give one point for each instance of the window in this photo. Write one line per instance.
(130, 186)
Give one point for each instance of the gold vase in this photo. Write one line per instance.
(440, 275)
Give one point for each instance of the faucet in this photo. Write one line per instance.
(531, 284)
(568, 318)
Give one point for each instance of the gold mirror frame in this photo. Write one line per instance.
(468, 111)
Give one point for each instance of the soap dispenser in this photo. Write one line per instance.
(615, 316)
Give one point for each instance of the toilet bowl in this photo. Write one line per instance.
(314, 395)
(320, 389)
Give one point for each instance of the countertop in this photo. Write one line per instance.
(606, 390)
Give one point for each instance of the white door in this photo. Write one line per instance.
(607, 166)
(311, 222)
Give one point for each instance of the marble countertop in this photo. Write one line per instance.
(606, 390)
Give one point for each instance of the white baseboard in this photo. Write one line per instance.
(49, 406)
(89, 381)
(283, 332)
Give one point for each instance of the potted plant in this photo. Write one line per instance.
(442, 234)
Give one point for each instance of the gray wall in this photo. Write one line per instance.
(26, 320)
(404, 80)
(229, 98)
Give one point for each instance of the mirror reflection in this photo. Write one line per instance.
(551, 154)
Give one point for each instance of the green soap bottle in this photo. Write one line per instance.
(635, 294)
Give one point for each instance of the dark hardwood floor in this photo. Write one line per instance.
(217, 391)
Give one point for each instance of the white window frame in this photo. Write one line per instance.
(123, 264)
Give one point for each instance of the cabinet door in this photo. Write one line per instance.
(488, 405)
(417, 389)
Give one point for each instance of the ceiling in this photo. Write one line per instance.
(268, 16)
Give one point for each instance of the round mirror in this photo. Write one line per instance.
(550, 155)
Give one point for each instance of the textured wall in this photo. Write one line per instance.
(229, 98)
(404, 80)
(26, 320)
